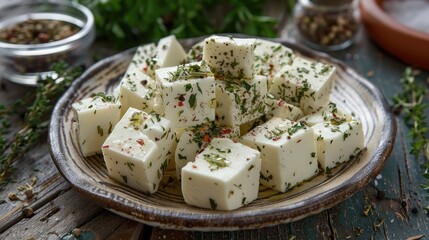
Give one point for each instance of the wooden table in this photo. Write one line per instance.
(390, 207)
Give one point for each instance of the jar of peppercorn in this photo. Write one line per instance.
(327, 24)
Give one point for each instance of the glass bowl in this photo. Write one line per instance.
(24, 63)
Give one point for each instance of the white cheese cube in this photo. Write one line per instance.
(229, 57)
(225, 176)
(338, 142)
(169, 52)
(270, 57)
(96, 117)
(139, 149)
(195, 54)
(145, 59)
(282, 109)
(327, 113)
(246, 127)
(288, 152)
(239, 102)
(188, 94)
(138, 90)
(196, 138)
(305, 84)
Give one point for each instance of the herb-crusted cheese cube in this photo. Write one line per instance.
(239, 102)
(225, 176)
(229, 57)
(139, 149)
(270, 57)
(195, 54)
(327, 113)
(96, 116)
(305, 84)
(145, 59)
(196, 138)
(288, 152)
(338, 141)
(169, 52)
(188, 94)
(282, 109)
(138, 90)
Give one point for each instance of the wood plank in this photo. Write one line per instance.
(55, 218)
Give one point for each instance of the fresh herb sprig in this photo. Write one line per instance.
(411, 103)
(129, 23)
(36, 118)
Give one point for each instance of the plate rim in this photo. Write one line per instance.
(220, 220)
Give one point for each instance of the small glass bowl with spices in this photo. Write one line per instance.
(36, 34)
(327, 24)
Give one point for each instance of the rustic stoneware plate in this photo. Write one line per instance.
(166, 207)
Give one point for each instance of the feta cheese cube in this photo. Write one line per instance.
(305, 84)
(282, 109)
(338, 141)
(195, 54)
(170, 52)
(145, 59)
(96, 117)
(138, 90)
(241, 101)
(188, 94)
(229, 57)
(139, 149)
(288, 152)
(327, 113)
(270, 57)
(196, 138)
(225, 176)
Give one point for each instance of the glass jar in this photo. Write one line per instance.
(327, 24)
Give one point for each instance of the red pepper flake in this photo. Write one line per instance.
(105, 146)
(145, 69)
(276, 139)
(194, 166)
(140, 141)
(280, 103)
(226, 131)
(206, 138)
(180, 104)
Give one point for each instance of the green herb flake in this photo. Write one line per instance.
(193, 101)
(213, 203)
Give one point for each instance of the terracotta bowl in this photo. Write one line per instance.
(409, 45)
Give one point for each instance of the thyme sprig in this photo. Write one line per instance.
(411, 103)
(36, 118)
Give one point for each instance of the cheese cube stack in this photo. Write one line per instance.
(169, 52)
(145, 59)
(139, 149)
(96, 116)
(327, 113)
(305, 84)
(229, 57)
(188, 94)
(282, 109)
(239, 102)
(288, 152)
(338, 141)
(196, 138)
(270, 57)
(138, 90)
(225, 176)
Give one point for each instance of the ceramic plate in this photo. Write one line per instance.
(166, 208)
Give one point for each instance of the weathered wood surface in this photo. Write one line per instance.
(390, 207)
